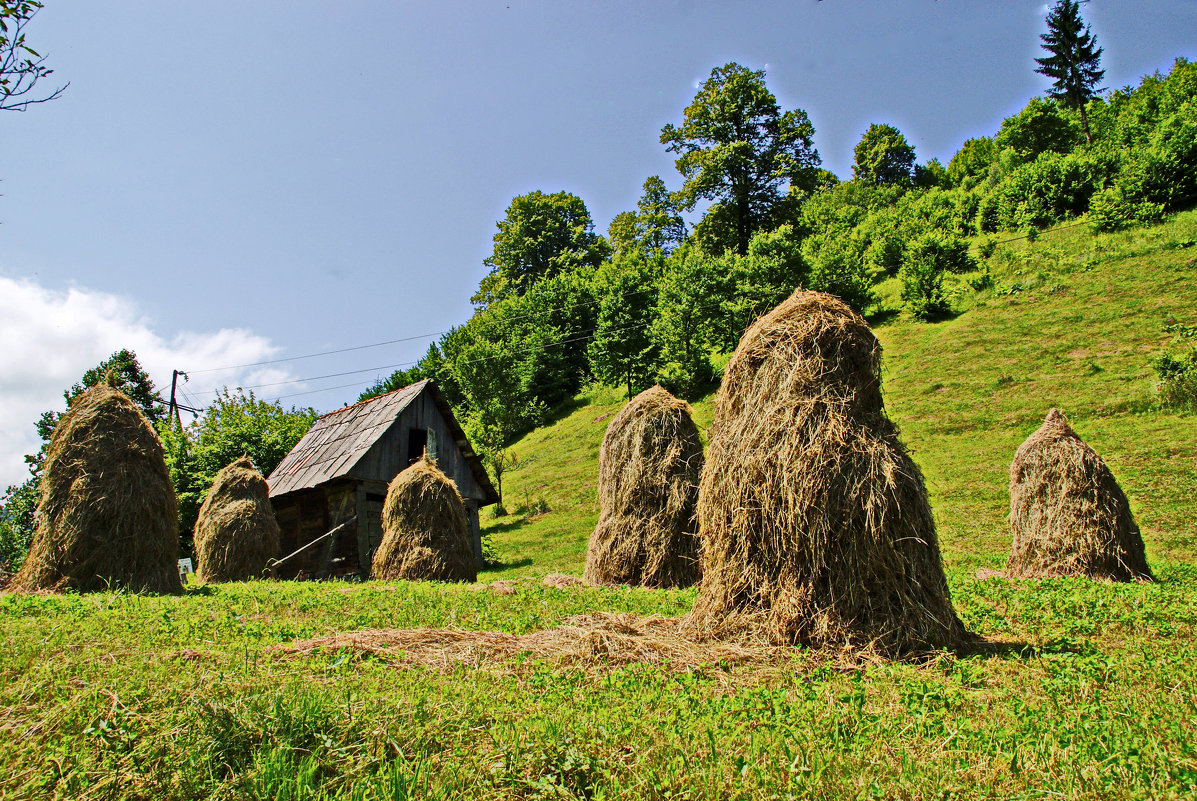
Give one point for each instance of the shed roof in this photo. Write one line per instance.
(336, 441)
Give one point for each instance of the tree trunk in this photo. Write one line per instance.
(1085, 124)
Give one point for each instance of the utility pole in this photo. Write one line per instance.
(172, 413)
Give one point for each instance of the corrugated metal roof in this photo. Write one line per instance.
(337, 440)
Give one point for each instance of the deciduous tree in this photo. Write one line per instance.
(540, 236)
(737, 148)
(883, 156)
(21, 67)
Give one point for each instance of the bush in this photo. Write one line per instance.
(1038, 128)
(1176, 370)
(1050, 189)
(1111, 210)
(987, 213)
(840, 270)
(987, 246)
(1165, 172)
(922, 276)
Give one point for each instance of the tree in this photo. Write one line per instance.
(623, 350)
(656, 225)
(659, 222)
(737, 148)
(540, 237)
(1038, 128)
(883, 156)
(236, 424)
(21, 67)
(971, 162)
(624, 235)
(1073, 63)
(686, 293)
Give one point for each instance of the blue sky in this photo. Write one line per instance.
(226, 182)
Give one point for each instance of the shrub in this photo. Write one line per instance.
(1050, 188)
(987, 213)
(840, 270)
(922, 277)
(1165, 172)
(1111, 210)
(1176, 370)
(987, 246)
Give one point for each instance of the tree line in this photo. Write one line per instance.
(653, 301)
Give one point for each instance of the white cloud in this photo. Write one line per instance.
(49, 338)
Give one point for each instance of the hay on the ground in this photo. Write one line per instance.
(107, 513)
(424, 529)
(1068, 515)
(562, 581)
(601, 640)
(814, 520)
(236, 533)
(649, 466)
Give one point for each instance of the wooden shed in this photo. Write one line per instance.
(341, 469)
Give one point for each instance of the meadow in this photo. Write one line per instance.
(1088, 690)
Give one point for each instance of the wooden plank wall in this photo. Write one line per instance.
(388, 455)
(302, 516)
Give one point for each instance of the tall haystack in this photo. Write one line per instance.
(1068, 514)
(649, 467)
(107, 514)
(814, 521)
(424, 529)
(236, 533)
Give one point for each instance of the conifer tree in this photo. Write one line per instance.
(1074, 60)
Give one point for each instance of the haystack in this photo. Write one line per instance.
(814, 521)
(424, 529)
(1068, 514)
(649, 467)
(107, 514)
(236, 533)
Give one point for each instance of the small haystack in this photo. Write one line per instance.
(424, 529)
(107, 514)
(814, 521)
(1068, 514)
(236, 533)
(649, 467)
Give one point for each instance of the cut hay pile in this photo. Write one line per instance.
(597, 641)
(814, 521)
(1068, 514)
(424, 529)
(236, 533)
(649, 467)
(107, 513)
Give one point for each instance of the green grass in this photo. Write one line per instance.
(1093, 693)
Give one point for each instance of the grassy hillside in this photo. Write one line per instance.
(1069, 322)
(1091, 692)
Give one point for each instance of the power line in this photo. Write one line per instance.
(585, 335)
(543, 312)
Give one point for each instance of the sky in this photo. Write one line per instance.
(229, 183)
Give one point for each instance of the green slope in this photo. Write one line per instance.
(1069, 322)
